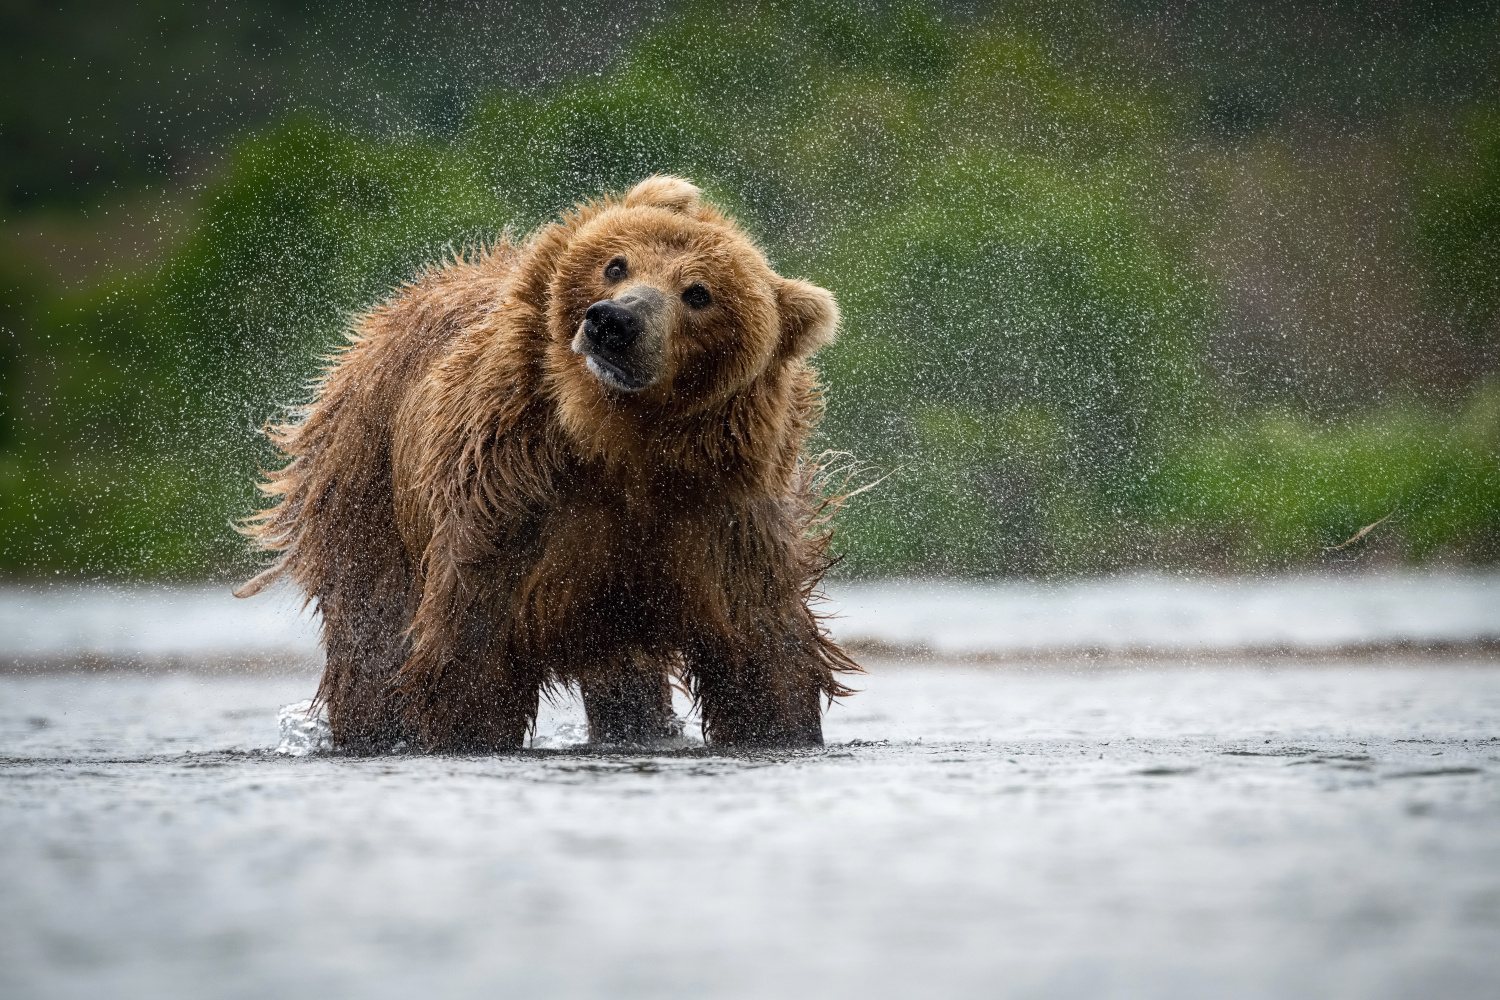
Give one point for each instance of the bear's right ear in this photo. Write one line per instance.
(809, 317)
(665, 191)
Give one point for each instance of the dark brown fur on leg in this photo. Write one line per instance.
(476, 695)
(629, 702)
(758, 695)
(470, 706)
(365, 650)
(740, 709)
(365, 611)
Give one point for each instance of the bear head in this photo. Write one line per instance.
(661, 307)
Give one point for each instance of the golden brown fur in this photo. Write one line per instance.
(478, 518)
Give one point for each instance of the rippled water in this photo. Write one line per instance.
(1242, 831)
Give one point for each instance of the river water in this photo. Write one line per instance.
(1125, 614)
(1250, 825)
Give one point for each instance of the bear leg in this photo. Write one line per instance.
(364, 645)
(360, 715)
(472, 707)
(758, 701)
(629, 702)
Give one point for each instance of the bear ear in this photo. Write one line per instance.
(809, 317)
(664, 191)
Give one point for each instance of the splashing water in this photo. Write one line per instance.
(304, 730)
(560, 725)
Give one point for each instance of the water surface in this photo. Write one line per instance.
(1242, 831)
(1140, 613)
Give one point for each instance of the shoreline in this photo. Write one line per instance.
(1479, 653)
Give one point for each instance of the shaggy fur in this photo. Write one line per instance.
(479, 518)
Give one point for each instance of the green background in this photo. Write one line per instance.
(1125, 285)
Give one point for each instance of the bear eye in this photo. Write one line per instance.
(615, 269)
(697, 297)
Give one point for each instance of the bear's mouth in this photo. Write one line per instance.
(613, 375)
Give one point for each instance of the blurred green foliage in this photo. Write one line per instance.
(1460, 222)
(1025, 229)
(1273, 487)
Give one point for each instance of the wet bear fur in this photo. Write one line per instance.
(484, 507)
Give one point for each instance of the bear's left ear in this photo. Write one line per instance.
(809, 317)
(665, 191)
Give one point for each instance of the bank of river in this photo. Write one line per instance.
(1132, 616)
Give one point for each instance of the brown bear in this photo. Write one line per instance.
(573, 461)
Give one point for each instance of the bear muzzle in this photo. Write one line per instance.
(620, 339)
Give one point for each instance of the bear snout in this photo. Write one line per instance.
(623, 338)
(611, 327)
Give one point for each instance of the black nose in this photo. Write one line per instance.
(610, 326)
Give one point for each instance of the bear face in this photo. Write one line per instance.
(681, 306)
(660, 305)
